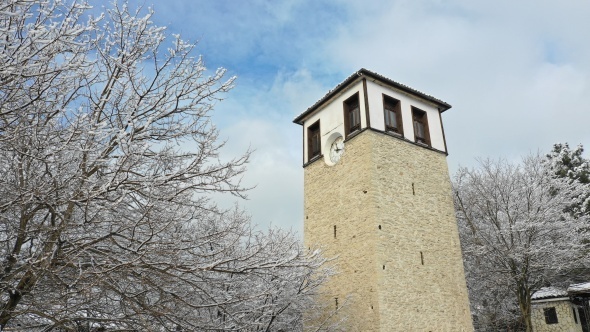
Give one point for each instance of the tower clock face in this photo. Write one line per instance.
(336, 149)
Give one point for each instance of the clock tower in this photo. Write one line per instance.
(378, 197)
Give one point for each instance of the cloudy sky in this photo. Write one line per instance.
(516, 73)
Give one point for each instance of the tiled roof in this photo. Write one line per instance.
(364, 72)
(579, 288)
(548, 292)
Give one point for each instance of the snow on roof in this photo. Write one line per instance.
(364, 72)
(579, 288)
(548, 292)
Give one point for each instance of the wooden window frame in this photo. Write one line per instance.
(575, 315)
(349, 107)
(420, 117)
(550, 315)
(314, 131)
(392, 105)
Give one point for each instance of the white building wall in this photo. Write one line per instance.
(331, 117)
(375, 92)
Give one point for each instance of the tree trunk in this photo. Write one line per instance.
(524, 303)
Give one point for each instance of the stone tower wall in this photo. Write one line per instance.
(397, 242)
(339, 196)
(419, 264)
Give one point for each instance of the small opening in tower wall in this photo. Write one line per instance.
(379, 226)
(413, 190)
(383, 267)
(334, 231)
(336, 302)
(421, 257)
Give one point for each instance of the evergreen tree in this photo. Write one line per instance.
(565, 162)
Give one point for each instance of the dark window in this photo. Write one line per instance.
(575, 317)
(313, 141)
(583, 320)
(352, 114)
(393, 115)
(550, 315)
(421, 134)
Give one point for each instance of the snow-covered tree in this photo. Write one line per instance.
(107, 159)
(516, 236)
(567, 163)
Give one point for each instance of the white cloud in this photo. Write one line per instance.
(261, 118)
(516, 74)
(274, 171)
(512, 71)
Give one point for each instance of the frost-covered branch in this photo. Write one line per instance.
(517, 236)
(107, 158)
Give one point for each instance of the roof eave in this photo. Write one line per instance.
(550, 299)
(344, 84)
(443, 106)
